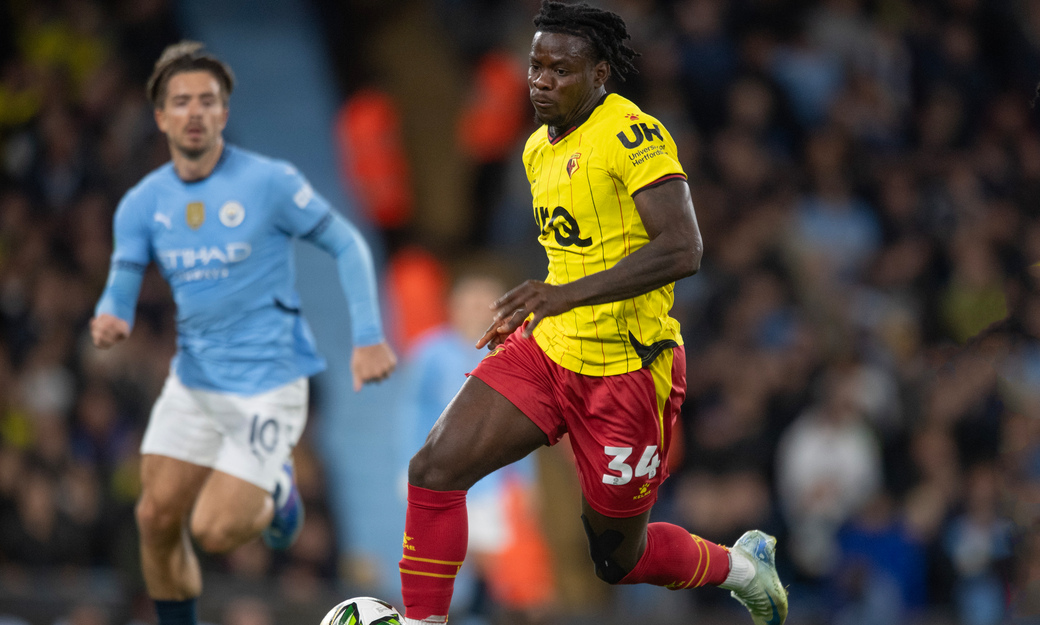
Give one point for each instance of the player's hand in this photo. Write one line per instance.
(533, 297)
(498, 332)
(372, 363)
(107, 330)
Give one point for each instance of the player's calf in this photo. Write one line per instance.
(677, 559)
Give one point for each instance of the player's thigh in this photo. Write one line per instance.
(259, 431)
(621, 429)
(480, 431)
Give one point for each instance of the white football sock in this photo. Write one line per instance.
(433, 620)
(741, 572)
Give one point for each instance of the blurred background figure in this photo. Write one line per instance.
(828, 467)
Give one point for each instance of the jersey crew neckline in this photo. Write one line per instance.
(554, 140)
(224, 151)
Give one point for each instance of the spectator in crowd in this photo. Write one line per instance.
(828, 468)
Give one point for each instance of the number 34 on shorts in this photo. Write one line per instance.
(646, 466)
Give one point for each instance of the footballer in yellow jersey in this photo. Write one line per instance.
(583, 183)
(591, 351)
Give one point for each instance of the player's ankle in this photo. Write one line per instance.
(176, 611)
(429, 620)
(741, 572)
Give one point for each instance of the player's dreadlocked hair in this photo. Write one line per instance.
(605, 31)
(187, 56)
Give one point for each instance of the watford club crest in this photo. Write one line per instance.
(195, 215)
(572, 164)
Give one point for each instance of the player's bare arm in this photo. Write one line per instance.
(107, 330)
(673, 252)
(372, 363)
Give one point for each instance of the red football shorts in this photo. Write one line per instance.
(620, 425)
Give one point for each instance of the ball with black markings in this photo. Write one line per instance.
(362, 611)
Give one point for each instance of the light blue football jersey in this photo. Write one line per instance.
(224, 244)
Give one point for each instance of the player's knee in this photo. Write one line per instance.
(425, 471)
(214, 537)
(603, 550)
(608, 570)
(156, 521)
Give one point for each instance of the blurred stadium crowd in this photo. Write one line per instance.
(866, 174)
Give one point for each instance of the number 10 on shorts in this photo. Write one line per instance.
(263, 435)
(647, 464)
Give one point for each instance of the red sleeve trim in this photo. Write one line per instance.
(660, 181)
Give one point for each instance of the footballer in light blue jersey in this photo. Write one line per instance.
(224, 244)
(216, 457)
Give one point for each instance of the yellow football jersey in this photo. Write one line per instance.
(582, 183)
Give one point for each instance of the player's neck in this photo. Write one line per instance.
(192, 169)
(581, 113)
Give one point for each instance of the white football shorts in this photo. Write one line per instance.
(248, 437)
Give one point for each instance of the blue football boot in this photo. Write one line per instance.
(288, 511)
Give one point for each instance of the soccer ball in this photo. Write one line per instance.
(362, 611)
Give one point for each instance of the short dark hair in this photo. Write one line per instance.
(605, 31)
(187, 56)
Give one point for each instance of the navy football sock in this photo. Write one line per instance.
(176, 612)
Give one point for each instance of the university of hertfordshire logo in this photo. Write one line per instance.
(195, 215)
(572, 164)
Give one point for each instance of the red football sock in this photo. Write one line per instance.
(436, 531)
(675, 558)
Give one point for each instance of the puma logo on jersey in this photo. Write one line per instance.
(164, 219)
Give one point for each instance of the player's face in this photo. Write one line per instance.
(563, 79)
(193, 114)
